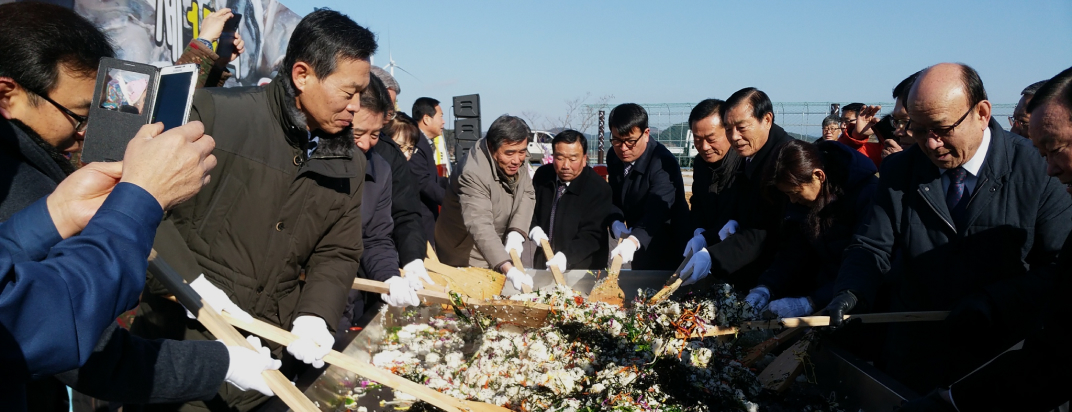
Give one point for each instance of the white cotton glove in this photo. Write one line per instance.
(514, 241)
(314, 340)
(536, 234)
(626, 249)
(790, 307)
(558, 260)
(697, 268)
(402, 293)
(619, 229)
(416, 274)
(518, 278)
(696, 243)
(245, 367)
(727, 230)
(217, 299)
(758, 298)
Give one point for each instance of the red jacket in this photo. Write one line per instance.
(872, 150)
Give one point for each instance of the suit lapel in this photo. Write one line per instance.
(991, 176)
(930, 189)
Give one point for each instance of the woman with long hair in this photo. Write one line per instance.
(830, 186)
(403, 130)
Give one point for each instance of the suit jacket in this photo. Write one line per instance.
(1017, 217)
(580, 230)
(713, 200)
(480, 209)
(422, 164)
(651, 201)
(741, 258)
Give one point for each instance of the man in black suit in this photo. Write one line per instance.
(649, 215)
(749, 239)
(429, 118)
(573, 203)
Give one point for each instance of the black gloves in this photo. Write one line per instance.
(839, 306)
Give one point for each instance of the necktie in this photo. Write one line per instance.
(628, 167)
(957, 196)
(554, 207)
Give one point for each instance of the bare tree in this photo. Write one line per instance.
(579, 114)
(535, 120)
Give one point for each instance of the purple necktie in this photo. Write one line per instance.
(956, 198)
(554, 207)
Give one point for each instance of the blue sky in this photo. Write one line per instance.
(533, 56)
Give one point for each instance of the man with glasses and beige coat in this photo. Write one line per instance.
(975, 222)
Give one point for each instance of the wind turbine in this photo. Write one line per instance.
(390, 67)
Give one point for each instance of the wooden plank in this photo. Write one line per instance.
(527, 314)
(759, 351)
(608, 290)
(672, 284)
(516, 259)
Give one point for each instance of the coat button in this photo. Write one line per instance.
(260, 289)
(926, 189)
(279, 227)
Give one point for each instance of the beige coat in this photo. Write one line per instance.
(480, 210)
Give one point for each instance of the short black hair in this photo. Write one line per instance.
(1058, 88)
(375, 97)
(1033, 88)
(627, 116)
(761, 104)
(424, 106)
(900, 91)
(323, 38)
(37, 38)
(852, 107)
(570, 136)
(704, 109)
(507, 129)
(973, 85)
(831, 119)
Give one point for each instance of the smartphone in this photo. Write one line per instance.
(175, 95)
(225, 46)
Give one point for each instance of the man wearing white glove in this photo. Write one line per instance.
(488, 210)
(245, 367)
(558, 260)
(649, 211)
(758, 298)
(698, 267)
(217, 299)
(314, 340)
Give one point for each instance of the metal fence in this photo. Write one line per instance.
(669, 123)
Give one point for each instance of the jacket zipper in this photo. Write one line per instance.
(975, 192)
(928, 202)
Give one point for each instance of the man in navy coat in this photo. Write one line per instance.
(976, 222)
(650, 215)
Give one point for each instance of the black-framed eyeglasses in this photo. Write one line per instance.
(1013, 122)
(80, 121)
(628, 143)
(939, 131)
(898, 123)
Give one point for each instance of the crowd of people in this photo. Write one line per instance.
(272, 199)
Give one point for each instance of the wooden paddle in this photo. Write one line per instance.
(550, 254)
(520, 266)
(672, 284)
(473, 282)
(781, 373)
(527, 314)
(608, 290)
(218, 326)
(820, 321)
(424, 393)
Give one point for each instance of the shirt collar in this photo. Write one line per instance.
(975, 164)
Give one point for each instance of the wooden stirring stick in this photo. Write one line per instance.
(550, 254)
(608, 291)
(424, 393)
(520, 266)
(527, 314)
(672, 284)
(890, 317)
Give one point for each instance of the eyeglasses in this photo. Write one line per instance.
(80, 121)
(898, 123)
(1013, 122)
(938, 131)
(628, 143)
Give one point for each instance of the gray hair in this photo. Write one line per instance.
(387, 79)
(1033, 88)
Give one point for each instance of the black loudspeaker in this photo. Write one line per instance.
(467, 106)
(467, 129)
